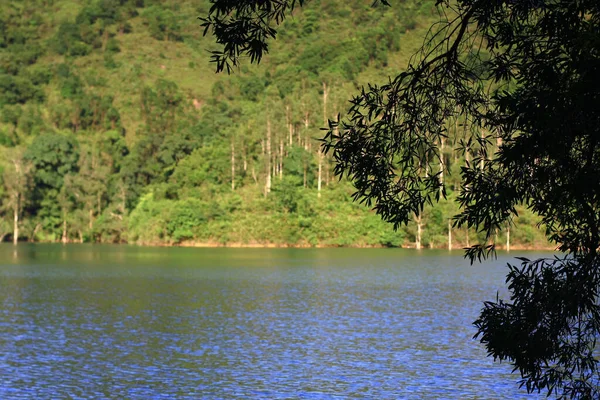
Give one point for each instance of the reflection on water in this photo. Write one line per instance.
(132, 322)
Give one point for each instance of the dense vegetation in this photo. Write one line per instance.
(114, 127)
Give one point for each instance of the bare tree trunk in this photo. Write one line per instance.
(16, 221)
(268, 182)
(419, 228)
(449, 235)
(306, 144)
(508, 238)
(468, 245)
(232, 165)
(288, 117)
(306, 141)
(319, 173)
(455, 139)
(320, 153)
(17, 200)
(482, 162)
(64, 234)
(280, 159)
(244, 161)
(441, 164)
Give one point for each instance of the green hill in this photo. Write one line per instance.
(115, 128)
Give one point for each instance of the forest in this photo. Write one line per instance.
(115, 128)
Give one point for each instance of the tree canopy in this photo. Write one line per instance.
(113, 87)
(520, 79)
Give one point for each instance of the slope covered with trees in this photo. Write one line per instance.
(114, 127)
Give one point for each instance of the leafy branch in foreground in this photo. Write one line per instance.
(550, 329)
(244, 27)
(520, 77)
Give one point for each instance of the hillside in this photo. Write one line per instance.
(115, 128)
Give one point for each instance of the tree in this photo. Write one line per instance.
(52, 157)
(521, 74)
(17, 180)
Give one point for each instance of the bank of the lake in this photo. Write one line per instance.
(98, 321)
(269, 245)
(540, 246)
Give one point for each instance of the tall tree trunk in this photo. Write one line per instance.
(288, 117)
(268, 182)
(16, 220)
(319, 173)
(320, 153)
(441, 164)
(306, 140)
(306, 144)
(280, 159)
(17, 199)
(244, 160)
(482, 162)
(419, 232)
(449, 235)
(64, 233)
(508, 238)
(455, 140)
(232, 165)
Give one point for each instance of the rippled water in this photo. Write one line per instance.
(140, 323)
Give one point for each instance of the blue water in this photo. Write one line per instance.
(139, 323)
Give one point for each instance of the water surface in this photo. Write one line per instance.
(172, 323)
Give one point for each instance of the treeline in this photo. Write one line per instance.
(114, 128)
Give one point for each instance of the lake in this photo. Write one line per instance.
(117, 322)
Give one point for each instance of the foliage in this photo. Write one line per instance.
(106, 112)
(520, 78)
